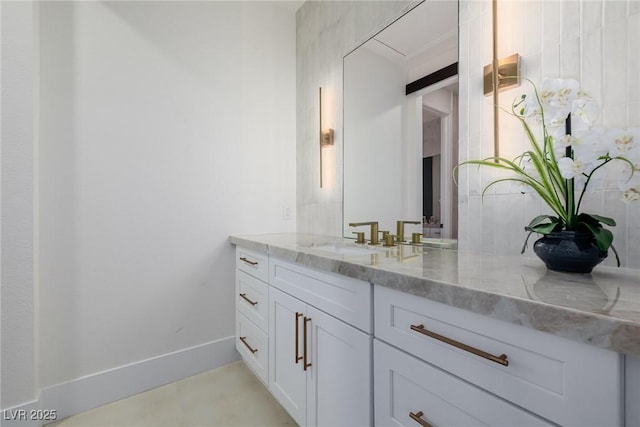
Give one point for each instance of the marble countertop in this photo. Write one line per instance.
(600, 309)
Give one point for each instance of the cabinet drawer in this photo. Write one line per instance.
(343, 297)
(254, 263)
(405, 385)
(252, 299)
(252, 344)
(566, 382)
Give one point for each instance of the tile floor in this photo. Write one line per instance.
(228, 396)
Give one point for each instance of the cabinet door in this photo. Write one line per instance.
(632, 390)
(339, 384)
(287, 377)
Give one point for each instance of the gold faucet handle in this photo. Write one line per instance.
(416, 237)
(359, 237)
(384, 234)
(389, 240)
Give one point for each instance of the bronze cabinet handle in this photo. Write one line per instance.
(502, 359)
(298, 358)
(417, 417)
(305, 364)
(244, 296)
(248, 261)
(244, 341)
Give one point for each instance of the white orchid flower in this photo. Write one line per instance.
(571, 168)
(625, 143)
(584, 111)
(531, 109)
(557, 97)
(631, 194)
(588, 145)
(566, 162)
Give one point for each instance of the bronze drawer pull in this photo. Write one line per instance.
(305, 365)
(244, 341)
(417, 417)
(248, 261)
(298, 358)
(244, 296)
(502, 359)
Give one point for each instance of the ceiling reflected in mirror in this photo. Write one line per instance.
(424, 37)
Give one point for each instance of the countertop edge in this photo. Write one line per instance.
(581, 326)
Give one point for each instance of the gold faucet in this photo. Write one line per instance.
(359, 237)
(400, 229)
(374, 230)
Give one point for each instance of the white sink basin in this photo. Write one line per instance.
(346, 249)
(439, 243)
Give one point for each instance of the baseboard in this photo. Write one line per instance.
(95, 390)
(25, 415)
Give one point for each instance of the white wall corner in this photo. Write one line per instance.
(18, 65)
(98, 389)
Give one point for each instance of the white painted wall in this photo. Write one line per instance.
(165, 127)
(18, 111)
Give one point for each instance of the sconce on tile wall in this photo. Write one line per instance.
(326, 140)
(508, 74)
(501, 74)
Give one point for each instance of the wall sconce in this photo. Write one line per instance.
(500, 75)
(508, 74)
(326, 136)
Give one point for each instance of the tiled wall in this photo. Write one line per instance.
(326, 31)
(595, 41)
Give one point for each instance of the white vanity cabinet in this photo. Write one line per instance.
(381, 356)
(252, 316)
(454, 367)
(320, 346)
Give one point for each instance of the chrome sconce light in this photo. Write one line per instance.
(326, 136)
(501, 74)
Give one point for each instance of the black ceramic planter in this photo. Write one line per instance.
(569, 251)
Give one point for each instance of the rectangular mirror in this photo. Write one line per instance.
(399, 149)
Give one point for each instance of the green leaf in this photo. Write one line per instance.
(603, 237)
(537, 220)
(524, 247)
(603, 219)
(537, 226)
(545, 228)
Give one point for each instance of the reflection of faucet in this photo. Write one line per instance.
(401, 256)
(400, 229)
(374, 230)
